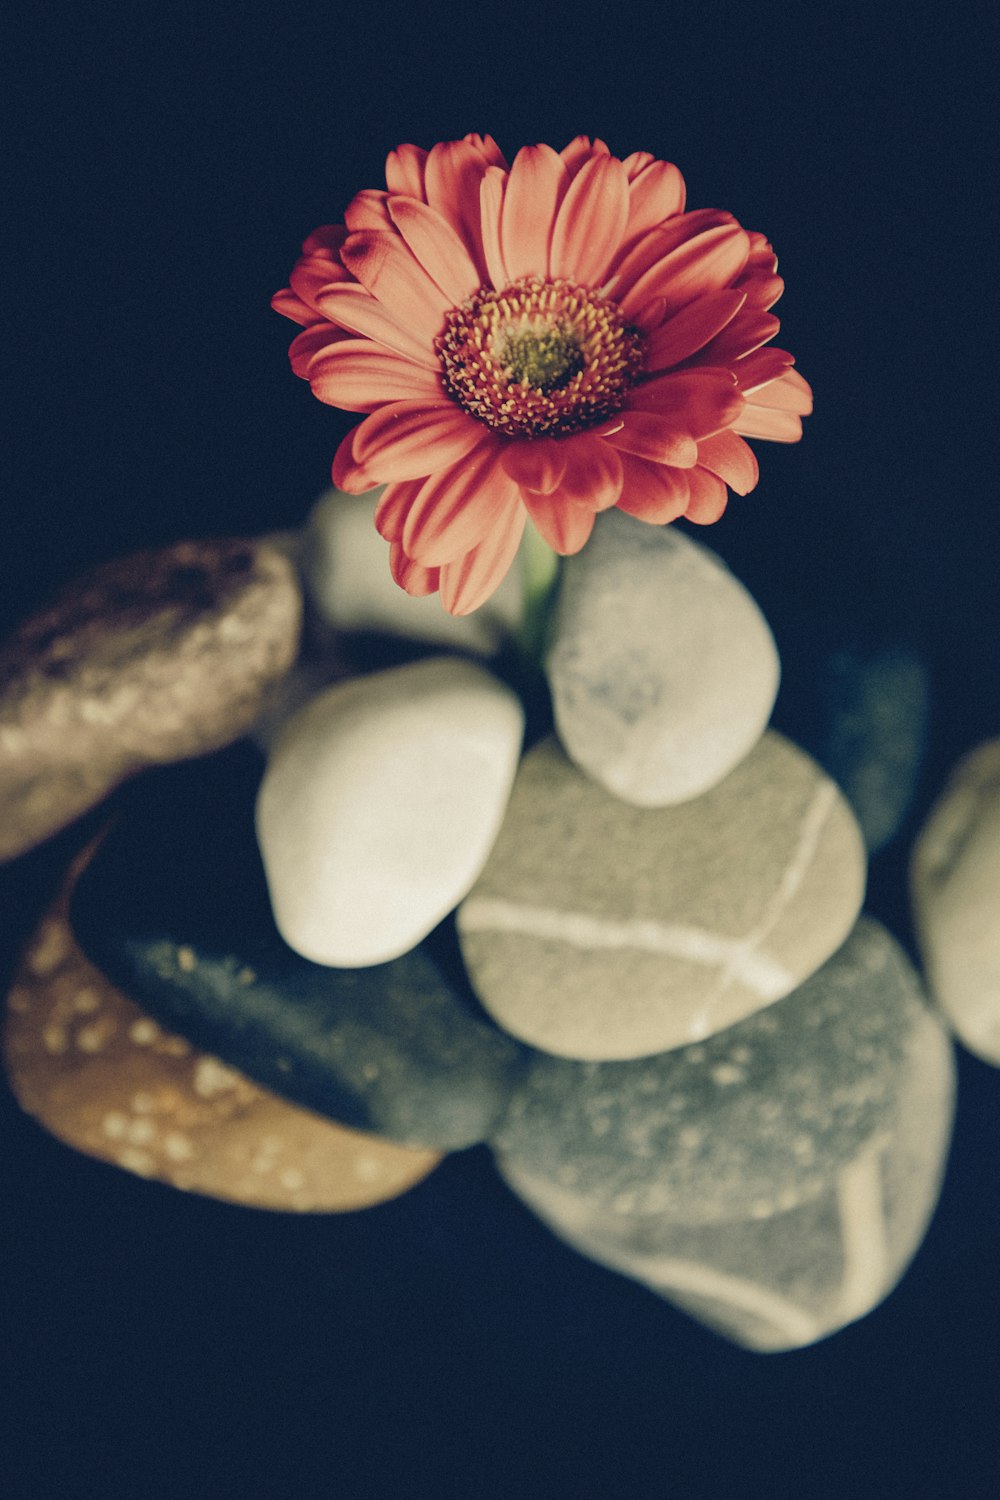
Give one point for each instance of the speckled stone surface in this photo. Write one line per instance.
(599, 930)
(752, 1121)
(662, 668)
(103, 1077)
(174, 907)
(145, 660)
(790, 1271)
(380, 803)
(955, 881)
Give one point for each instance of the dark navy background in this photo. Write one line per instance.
(168, 160)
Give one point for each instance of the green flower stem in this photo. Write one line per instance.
(540, 568)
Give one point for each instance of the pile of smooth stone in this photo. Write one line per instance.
(344, 922)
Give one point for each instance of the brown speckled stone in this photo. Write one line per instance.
(104, 1078)
(149, 659)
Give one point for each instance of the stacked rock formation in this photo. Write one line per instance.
(631, 959)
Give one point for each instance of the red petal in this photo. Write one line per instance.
(762, 291)
(698, 402)
(456, 508)
(648, 435)
(707, 263)
(581, 150)
(351, 307)
(416, 580)
(690, 329)
(656, 244)
(788, 393)
(347, 473)
(358, 375)
(761, 367)
(709, 497)
(592, 476)
(748, 331)
(469, 581)
(437, 247)
(653, 492)
(384, 265)
(538, 465)
(491, 196)
(590, 222)
(766, 422)
(393, 507)
(487, 148)
(305, 346)
(368, 210)
(455, 170)
(537, 183)
(656, 192)
(404, 171)
(288, 305)
(410, 440)
(563, 524)
(313, 274)
(328, 237)
(731, 459)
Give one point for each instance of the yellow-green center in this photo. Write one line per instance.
(540, 358)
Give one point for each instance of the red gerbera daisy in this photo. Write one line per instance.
(547, 340)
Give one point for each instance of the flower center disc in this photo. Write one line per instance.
(539, 358)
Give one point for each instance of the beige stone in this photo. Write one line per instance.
(956, 900)
(599, 930)
(148, 659)
(104, 1078)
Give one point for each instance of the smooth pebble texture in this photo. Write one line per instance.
(662, 668)
(599, 930)
(174, 907)
(793, 1275)
(753, 1120)
(381, 801)
(145, 660)
(955, 880)
(345, 567)
(103, 1077)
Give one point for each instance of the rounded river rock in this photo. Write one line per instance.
(144, 660)
(599, 930)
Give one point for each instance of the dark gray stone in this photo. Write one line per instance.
(751, 1122)
(876, 706)
(174, 908)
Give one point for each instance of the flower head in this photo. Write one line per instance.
(541, 340)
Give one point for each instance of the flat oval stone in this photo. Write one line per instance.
(787, 1270)
(381, 801)
(145, 660)
(662, 668)
(955, 879)
(345, 567)
(174, 908)
(746, 1124)
(103, 1077)
(599, 930)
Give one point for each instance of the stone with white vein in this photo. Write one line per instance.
(345, 568)
(662, 668)
(789, 1268)
(752, 1121)
(956, 899)
(599, 930)
(380, 803)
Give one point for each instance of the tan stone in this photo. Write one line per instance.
(104, 1078)
(145, 660)
(599, 930)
